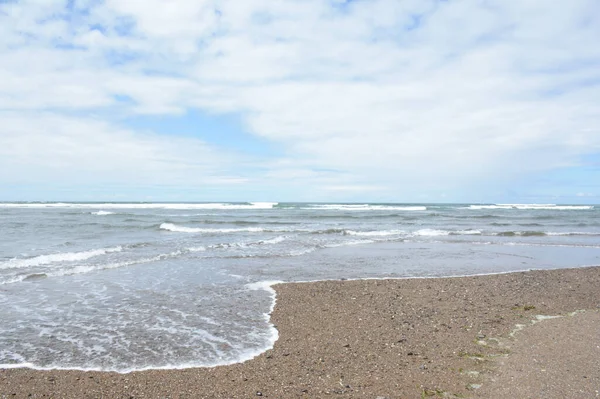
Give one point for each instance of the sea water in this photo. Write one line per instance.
(127, 287)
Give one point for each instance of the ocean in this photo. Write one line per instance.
(124, 287)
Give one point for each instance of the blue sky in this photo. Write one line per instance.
(221, 100)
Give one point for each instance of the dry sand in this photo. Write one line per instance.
(413, 338)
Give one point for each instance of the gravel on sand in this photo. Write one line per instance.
(463, 337)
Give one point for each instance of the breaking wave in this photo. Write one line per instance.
(363, 207)
(59, 257)
(550, 207)
(543, 233)
(183, 229)
(190, 206)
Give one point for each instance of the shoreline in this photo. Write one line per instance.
(267, 286)
(319, 339)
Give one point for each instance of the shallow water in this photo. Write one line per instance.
(132, 286)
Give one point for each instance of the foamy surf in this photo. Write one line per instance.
(58, 257)
(248, 244)
(177, 206)
(183, 229)
(364, 207)
(437, 233)
(531, 207)
(67, 270)
(349, 243)
(381, 233)
(183, 293)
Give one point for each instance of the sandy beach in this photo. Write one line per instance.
(465, 337)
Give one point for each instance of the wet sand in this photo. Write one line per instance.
(412, 338)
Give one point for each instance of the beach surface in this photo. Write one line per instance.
(467, 337)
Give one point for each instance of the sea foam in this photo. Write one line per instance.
(364, 207)
(59, 257)
(437, 233)
(550, 207)
(183, 229)
(185, 206)
(84, 269)
(380, 233)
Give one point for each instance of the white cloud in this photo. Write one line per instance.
(422, 94)
(42, 148)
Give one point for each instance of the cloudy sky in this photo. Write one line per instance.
(300, 100)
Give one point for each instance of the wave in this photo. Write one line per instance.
(102, 213)
(552, 207)
(520, 233)
(363, 207)
(349, 243)
(275, 240)
(384, 233)
(59, 257)
(182, 229)
(381, 233)
(240, 222)
(302, 251)
(544, 233)
(83, 269)
(575, 233)
(437, 233)
(35, 276)
(184, 206)
(271, 241)
(328, 231)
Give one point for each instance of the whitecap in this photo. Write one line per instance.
(185, 206)
(349, 243)
(381, 233)
(84, 269)
(552, 207)
(363, 207)
(59, 257)
(275, 240)
(431, 233)
(466, 232)
(437, 233)
(183, 229)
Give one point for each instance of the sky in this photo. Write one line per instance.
(300, 100)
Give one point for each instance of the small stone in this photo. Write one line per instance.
(258, 393)
(480, 336)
